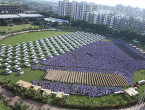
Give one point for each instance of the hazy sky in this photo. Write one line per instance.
(133, 3)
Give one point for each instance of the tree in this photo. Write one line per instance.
(26, 7)
(55, 24)
(124, 33)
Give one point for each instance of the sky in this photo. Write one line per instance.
(132, 3)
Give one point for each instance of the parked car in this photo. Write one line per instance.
(8, 60)
(25, 59)
(17, 62)
(42, 58)
(7, 65)
(35, 61)
(17, 57)
(7, 70)
(34, 57)
(27, 64)
(9, 56)
(17, 67)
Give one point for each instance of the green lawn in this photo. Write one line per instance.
(29, 74)
(29, 37)
(106, 40)
(17, 27)
(139, 75)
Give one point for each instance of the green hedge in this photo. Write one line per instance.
(2, 106)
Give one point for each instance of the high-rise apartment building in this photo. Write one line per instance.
(75, 9)
(117, 21)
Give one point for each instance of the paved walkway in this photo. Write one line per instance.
(37, 105)
(34, 104)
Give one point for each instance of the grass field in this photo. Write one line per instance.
(106, 40)
(17, 27)
(29, 74)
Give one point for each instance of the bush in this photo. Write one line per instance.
(2, 106)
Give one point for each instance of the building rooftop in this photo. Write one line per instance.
(30, 15)
(8, 16)
(20, 16)
(56, 20)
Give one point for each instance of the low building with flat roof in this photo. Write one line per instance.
(52, 20)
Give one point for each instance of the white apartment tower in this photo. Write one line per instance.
(75, 9)
(64, 8)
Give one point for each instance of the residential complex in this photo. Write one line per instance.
(11, 9)
(75, 9)
(116, 21)
(117, 17)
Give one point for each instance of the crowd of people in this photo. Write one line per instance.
(106, 58)
(78, 89)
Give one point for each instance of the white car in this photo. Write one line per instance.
(17, 57)
(40, 51)
(32, 50)
(3, 51)
(17, 50)
(48, 53)
(61, 51)
(41, 54)
(45, 48)
(42, 58)
(34, 57)
(55, 53)
(9, 56)
(25, 59)
(8, 51)
(18, 45)
(25, 52)
(8, 60)
(7, 65)
(7, 70)
(21, 72)
(26, 55)
(17, 62)
(49, 56)
(35, 61)
(1, 59)
(33, 53)
(2, 55)
(17, 67)
(24, 48)
(27, 64)
(17, 54)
